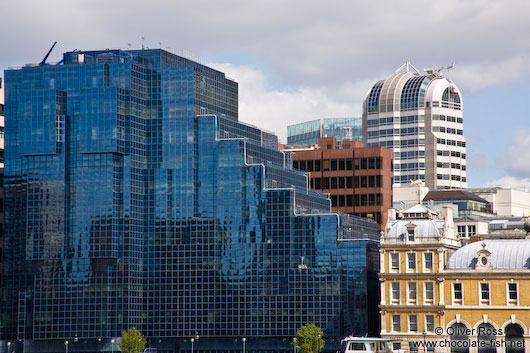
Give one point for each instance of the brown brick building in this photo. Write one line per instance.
(357, 178)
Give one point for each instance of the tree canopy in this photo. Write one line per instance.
(132, 341)
(309, 339)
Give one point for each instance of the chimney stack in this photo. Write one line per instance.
(449, 224)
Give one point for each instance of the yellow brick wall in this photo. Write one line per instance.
(473, 317)
(403, 260)
(411, 276)
(498, 290)
(404, 317)
(497, 311)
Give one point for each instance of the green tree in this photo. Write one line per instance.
(132, 341)
(309, 339)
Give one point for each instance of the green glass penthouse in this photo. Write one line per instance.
(309, 132)
(135, 197)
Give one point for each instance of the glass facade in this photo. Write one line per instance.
(135, 197)
(341, 128)
(1, 170)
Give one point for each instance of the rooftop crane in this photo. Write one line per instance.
(43, 62)
(437, 70)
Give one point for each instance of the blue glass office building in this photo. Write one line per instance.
(135, 197)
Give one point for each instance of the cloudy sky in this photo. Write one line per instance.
(301, 60)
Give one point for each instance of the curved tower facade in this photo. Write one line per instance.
(419, 116)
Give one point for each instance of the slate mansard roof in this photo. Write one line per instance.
(425, 228)
(506, 254)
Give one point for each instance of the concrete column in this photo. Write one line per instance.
(381, 261)
(383, 296)
(473, 349)
(441, 294)
(442, 320)
(383, 321)
(440, 260)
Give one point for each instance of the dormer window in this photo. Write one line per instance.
(483, 259)
(410, 234)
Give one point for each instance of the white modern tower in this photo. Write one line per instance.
(419, 116)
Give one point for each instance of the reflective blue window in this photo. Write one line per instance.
(135, 197)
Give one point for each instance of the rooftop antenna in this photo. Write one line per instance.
(438, 69)
(143, 42)
(408, 68)
(43, 62)
(420, 184)
(129, 45)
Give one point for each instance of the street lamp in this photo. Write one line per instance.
(112, 344)
(66, 346)
(294, 344)
(193, 340)
(8, 347)
(424, 341)
(244, 340)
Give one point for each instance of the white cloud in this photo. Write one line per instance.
(475, 76)
(510, 182)
(517, 153)
(300, 44)
(320, 60)
(274, 109)
(516, 161)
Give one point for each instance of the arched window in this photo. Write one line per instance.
(451, 99)
(514, 339)
(486, 338)
(373, 98)
(459, 338)
(413, 92)
(450, 95)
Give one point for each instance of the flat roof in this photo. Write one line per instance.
(452, 195)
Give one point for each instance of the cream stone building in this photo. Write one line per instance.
(437, 295)
(487, 295)
(414, 251)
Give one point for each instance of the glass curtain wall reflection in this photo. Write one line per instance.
(310, 131)
(135, 197)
